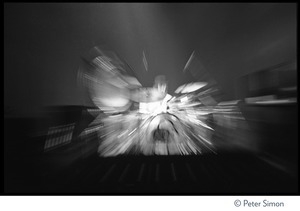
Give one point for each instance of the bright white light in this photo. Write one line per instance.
(184, 99)
(114, 101)
(155, 107)
(167, 97)
(148, 108)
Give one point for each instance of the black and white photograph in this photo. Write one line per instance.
(131, 98)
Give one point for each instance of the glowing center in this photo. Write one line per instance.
(154, 108)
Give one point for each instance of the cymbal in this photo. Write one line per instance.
(147, 95)
(190, 87)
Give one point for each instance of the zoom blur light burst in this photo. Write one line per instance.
(133, 119)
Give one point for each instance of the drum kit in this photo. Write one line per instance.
(114, 91)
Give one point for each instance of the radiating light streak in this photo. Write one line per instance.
(280, 101)
(260, 98)
(122, 134)
(189, 61)
(232, 102)
(192, 147)
(130, 129)
(106, 175)
(124, 173)
(204, 139)
(145, 61)
(104, 63)
(201, 123)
